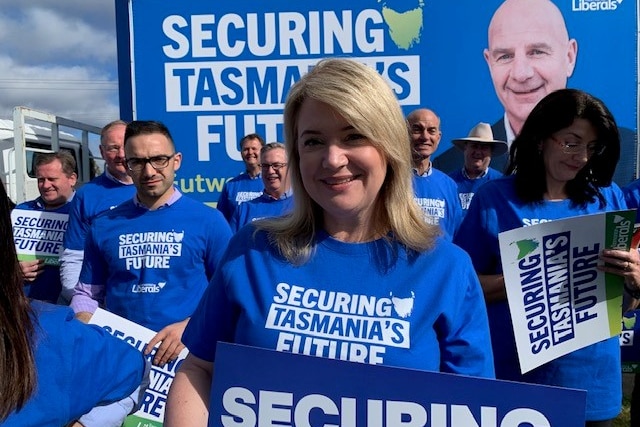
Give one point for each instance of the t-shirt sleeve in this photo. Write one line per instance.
(212, 321)
(94, 269)
(103, 369)
(77, 226)
(224, 205)
(478, 235)
(465, 342)
(115, 367)
(217, 241)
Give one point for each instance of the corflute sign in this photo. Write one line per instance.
(216, 71)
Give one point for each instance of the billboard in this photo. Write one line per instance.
(215, 71)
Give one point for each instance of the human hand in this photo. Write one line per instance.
(84, 316)
(31, 269)
(622, 263)
(171, 345)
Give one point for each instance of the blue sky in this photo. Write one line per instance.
(60, 57)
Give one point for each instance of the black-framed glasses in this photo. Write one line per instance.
(137, 164)
(275, 166)
(573, 147)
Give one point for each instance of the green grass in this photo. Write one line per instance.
(623, 419)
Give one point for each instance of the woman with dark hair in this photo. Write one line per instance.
(562, 164)
(48, 359)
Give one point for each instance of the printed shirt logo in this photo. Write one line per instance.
(465, 199)
(433, 209)
(151, 249)
(245, 196)
(339, 325)
(148, 288)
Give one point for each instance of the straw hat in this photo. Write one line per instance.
(482, 133)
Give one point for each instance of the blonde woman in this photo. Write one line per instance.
(355, 247)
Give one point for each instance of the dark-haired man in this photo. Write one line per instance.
(150, 259)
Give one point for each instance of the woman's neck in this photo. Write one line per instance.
(556, 191)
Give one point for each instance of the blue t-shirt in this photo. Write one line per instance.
(155, 264)
(78, 367)
(496, 208)
(467, 187)
(99, 195)
(264, 206)
(238, 190)
(47, 285)
(364, 302)
(437, 195)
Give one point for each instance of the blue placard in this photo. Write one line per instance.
(215, 71)
(258, 387)
(629, 343)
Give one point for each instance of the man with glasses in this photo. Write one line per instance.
(276, 197)
(435, 192)
(150, 259)
(102, 193)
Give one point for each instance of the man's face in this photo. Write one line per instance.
(112, 151)
(274, 172)
(529, 56)
(477, 157)
(424, 127)
(251, 152)
(154, 184)
(54, 185)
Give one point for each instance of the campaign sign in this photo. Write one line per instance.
(629, 343)
(558, 299)
(258, 387)
(216, 71)
(39, 234)
(151, 412)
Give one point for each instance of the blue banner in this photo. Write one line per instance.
(629, 343)
(215, 71)
(263, 387)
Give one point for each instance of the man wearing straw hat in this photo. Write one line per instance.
(478, 149)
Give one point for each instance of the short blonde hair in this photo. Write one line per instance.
(360, 95)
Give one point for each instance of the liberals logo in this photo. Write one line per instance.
(148, 288)
(594, 5)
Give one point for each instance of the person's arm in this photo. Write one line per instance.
(70, 266)
(188, 399)
(465, 342)
(493, 287)
(234, 221)
(170, 339)
(86, 299)
(114, 414)
(73, 248)
(224, 204)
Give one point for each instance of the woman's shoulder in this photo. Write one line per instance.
(446, 252)
(500, 187)
(49, 315)
(612, 192)
(250, 238)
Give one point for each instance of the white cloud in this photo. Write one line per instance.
(59, 56)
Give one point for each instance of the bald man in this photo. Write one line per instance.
(435, 192)
(530, 55)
